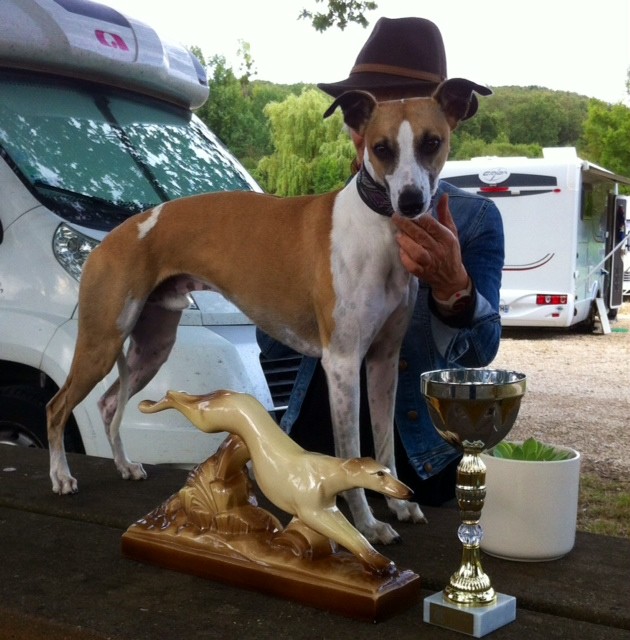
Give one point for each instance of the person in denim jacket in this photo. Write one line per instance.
(457, 255)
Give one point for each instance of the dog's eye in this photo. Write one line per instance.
(430, 145)
(382, 151)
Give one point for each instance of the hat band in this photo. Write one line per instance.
(397, 71)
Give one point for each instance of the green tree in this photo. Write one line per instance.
(226, 110)
(339, 13)
(606, 139)
(476, 147)
(235, 107)
(535, 122)
(531, 115)
(311, 154)
(574, 110)
(486, 125)
(520, 121)
(277, 131)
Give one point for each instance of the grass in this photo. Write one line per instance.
(604, 506)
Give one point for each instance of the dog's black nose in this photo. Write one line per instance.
(411, 203)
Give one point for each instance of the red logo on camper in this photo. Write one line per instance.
(112, 40)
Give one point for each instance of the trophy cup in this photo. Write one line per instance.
(472, 409)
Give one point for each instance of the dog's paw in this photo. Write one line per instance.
(378, 532)
(407, 511)
(63, 484)
(132, 471)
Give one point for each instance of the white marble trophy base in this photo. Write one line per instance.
(474, 621)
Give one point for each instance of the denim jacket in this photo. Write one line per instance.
(430, 343)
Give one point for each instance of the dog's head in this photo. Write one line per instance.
(407, 141)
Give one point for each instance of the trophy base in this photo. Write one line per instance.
(474, 621)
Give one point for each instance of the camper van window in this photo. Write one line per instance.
(96, 156)
(596, 208)
(586, 210)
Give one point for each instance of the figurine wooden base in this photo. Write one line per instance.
(214, 529)
(338, 583)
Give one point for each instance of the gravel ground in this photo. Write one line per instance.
(578, 391)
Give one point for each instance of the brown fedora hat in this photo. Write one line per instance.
(401, 54)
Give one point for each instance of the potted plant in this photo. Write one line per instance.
(530, 510)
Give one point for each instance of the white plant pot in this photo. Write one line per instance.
(530, 511)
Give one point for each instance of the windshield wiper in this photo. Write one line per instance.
(103, 105)
(90, 211)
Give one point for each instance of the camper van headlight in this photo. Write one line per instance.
(71, 249)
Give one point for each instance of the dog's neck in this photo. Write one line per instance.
(373, 194)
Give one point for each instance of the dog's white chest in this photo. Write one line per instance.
(369, 279)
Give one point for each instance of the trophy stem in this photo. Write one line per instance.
(470, 585)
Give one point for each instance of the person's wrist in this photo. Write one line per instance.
(443, 295)
(456, 302)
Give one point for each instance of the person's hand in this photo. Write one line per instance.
(429, 249)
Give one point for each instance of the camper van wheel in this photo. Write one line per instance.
(588, 324)
(23, 419)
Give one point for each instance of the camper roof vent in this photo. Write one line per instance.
(561, 154)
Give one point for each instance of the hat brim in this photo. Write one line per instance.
(372, 81)
(375, 81)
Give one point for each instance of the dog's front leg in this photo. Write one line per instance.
(343, 375)
(382, 380)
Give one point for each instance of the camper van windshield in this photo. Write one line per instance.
(96, 156)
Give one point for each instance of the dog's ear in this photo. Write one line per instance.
(455, 96)
(357, 107)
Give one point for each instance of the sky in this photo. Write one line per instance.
(559, 44)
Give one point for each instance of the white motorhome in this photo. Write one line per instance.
(96, 124)
(564, 241)
(625, 204)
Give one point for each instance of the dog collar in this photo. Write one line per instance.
(373, 194)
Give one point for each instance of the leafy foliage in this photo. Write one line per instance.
(311, 154)
(470, 147)
(520, 121)
(339, 13)
(278, 133)
(607, 136)
(531, 450)
(235, 109)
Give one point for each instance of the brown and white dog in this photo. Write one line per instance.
(320, 273)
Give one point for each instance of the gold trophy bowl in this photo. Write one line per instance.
(472, 409)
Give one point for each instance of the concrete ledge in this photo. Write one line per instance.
(63, 575)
